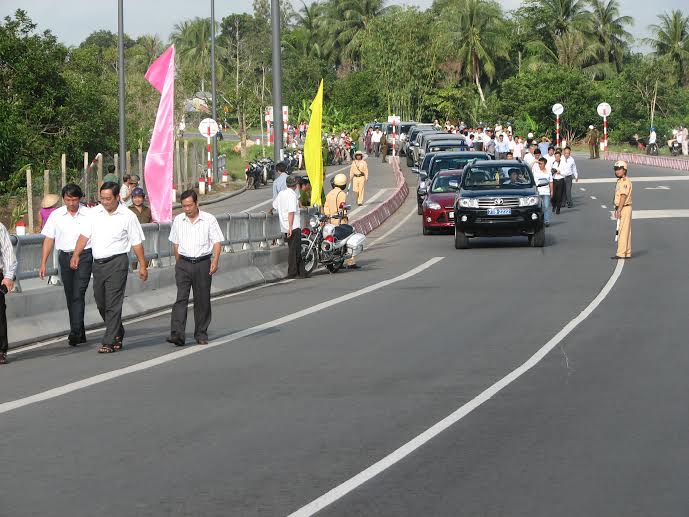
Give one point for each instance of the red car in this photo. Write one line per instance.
(439, 203)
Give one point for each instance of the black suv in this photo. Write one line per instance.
(498, 199)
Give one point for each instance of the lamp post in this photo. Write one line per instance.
(120, 75)
(277, 82)
(213, 92)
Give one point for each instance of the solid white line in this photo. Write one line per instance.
(640, 178)
(173, 356)
(658, 214)
(149, 316)
(270, 200)
(351, 484)
(594, 197)
(369, 201)
(394, 228)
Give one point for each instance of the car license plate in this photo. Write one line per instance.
(451, 215)
(499, 211)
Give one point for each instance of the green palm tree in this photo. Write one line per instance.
(562, 16)
(310, 24)
(350, 22)
(572, 50)
(671, 39)
(476, 27)
(192, 39)
(147, 49)
(608, 27)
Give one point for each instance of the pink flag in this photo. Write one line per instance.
(161, 75)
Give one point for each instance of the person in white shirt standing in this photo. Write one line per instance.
(287, 207)
(8, 269)
(196, 241)
(541, 172)
(113, 230)
(375, 140)
(529, 157)
(62, 230)
(558, 183)
(568, 169)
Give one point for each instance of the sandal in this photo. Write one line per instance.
(106, 349)
(3, 358)
(117, 346)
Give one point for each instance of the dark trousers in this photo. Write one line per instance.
(75, 284)
(4, 342)
(194, 276)
(294, 263)
(568, 189)
(376, 149)
(109, 283)
(558, 194)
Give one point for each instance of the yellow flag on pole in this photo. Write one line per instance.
(313, 154)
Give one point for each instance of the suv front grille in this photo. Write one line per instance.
(507, 202)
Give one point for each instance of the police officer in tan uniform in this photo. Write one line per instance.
(358, 175)
(623, 210)
(335, 198)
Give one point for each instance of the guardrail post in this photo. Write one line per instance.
(29, 199)
(155, 262)
(248, 244)
(228, 236)
(265, 243)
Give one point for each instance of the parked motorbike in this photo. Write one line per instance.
(268, 172)
(254, 175)
(329, 244)
(676, 148)
(652, 149)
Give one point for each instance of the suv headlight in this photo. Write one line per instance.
(468, 202)
(433, 205)
(529, 201)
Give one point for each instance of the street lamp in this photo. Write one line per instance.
(213, 92)
(120, 74)
(277, 82)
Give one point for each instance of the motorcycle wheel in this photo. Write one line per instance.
(335, 266)
(249, 183)
(308, 258)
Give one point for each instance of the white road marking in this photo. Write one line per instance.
(640, 178)
(603, 206)
(594, 197)
(173, 356)
(660, 187)
(394, 228)
(152, 315)
(351, 484)
(368, 201)
(271, 200)
(582, 189)
(658, 214)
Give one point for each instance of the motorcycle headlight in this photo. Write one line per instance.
(328, 230)
(432, 205)
(313, 222)
(529, 201)
(468, 202)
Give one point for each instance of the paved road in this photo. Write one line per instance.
(307, 384)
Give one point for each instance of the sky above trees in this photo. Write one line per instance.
(74, 20)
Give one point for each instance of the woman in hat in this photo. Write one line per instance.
(358, 176)
(48, 206)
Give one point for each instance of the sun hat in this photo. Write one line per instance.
(50, 200)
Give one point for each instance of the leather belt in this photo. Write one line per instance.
(195, 260)
(70, 253)
(108, 259)
(359, 175)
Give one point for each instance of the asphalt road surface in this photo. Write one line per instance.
(557, 376)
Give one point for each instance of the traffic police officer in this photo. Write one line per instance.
(335, 198)
(358, 175)
(623, 210)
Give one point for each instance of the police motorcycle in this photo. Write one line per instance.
(328, 244)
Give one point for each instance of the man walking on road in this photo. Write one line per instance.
(623, 210)
(287, 206)
(375, 141)
(196, 239)
(568, 169)
(591, 140)
(62, 230)
(113, 230)
(8, 268)
(358, 176)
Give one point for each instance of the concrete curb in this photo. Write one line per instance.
(666, 162)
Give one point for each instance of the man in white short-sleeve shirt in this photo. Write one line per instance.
(287, 207)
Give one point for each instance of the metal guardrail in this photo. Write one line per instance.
(240, 231)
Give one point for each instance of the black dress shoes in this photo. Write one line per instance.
(177, 341)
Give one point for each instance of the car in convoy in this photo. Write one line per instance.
(411, 137)
(447, 145)
(498, 198)
(439, 203)
(442, 161)
(418, 142)
(428, 141)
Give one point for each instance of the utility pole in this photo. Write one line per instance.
(213, 93)
(120, 74)
(277, 82)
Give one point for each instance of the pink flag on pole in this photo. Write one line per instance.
(161, 75)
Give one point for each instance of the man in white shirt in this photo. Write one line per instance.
(518, 150)
(568, 169)
(113, 230)
(529, 157)
(542, 172)
(8, 269)
(196, 241)
(62, 231)
(550, 158)
(375, 140)
(287, 207)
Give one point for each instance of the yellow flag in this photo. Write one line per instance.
(313, 154)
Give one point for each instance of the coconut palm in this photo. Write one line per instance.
(476, 27)
(192, 39)
(309, 30)
(350, 22)
(562, 16)
(572, 50)
(671, 39)
(147, 49)
(608, 27)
